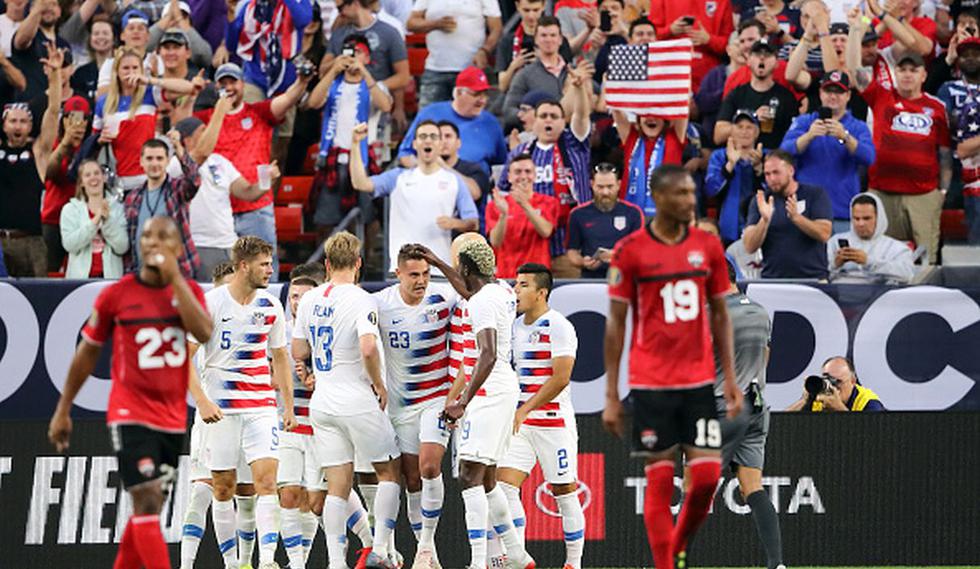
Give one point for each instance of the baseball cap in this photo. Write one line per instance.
(838, 28)
(763, 45)
(76, 104)
(911, 58)
(836, 79)
(536, 97)
(745, 114)
(134, 14)
(228, 70)
(472, 78)
(870, 36)
(175, 35)
(184, 7)
(355, 40)
(186, 127)
(968, 42)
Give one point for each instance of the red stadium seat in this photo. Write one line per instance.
(294, 190)
(309, 163)
(289, 223)
(952, 225)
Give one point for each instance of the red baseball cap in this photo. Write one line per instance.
(970, 41)
(472, 78)
(77, 104)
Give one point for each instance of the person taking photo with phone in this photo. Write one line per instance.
(864, 253)
(830, 147)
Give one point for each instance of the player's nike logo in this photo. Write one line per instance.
(396, 321)
(562, 473)
(227, 319)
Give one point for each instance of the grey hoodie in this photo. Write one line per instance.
(887, 258)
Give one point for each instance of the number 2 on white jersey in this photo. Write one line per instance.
(680, 301)
(150, 340)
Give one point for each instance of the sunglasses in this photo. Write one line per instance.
(605, 168)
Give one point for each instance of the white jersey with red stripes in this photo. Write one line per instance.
(462, 342)
(535, 347)
(416, 346)
(494, 307)
(301, 399)
(236, 367)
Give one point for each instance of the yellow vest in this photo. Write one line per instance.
(861, 400)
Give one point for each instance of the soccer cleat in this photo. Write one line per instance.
(375, 561)
(396, 559)
(362, 555)
(569, 566)
(780, 566)
(497, 562)
(680, 560)
(526, 562)
(269, 565)
(424, 559)
(245, 566)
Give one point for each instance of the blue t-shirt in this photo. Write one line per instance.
(787, 252)
(590, 228)
(482, 138)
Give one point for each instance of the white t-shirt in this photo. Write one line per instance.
(454, 51)
(495, 308)
(236, 371)
(212, 222)
(332, 318)
(535, 346)
(346, 115)
(8, 28)
(415, 346)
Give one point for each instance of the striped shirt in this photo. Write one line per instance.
(462, 341)
(236, 361)
(536, 345)
(301, 399)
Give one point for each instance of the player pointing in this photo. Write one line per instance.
(147, 315)
(669, 272)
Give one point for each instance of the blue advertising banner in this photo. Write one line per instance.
(912, 345)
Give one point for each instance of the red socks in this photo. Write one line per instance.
(127, 557)
(656, 512)
(704, 481)
(142, 545)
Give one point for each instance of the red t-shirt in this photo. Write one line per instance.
(907, 134)
(522, 244)
(714, 17)
(58, 191)
(246, 140)
(98, 246)
(149, 353)
(668, 287)
(743, 75)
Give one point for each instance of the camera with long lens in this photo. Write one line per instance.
(820, 384)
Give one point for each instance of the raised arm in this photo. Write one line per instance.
(358, 174)
(282, 103)
(44, 144)
(209, 137)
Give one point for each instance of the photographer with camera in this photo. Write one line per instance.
(836, 389)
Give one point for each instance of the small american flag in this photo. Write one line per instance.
(651, 79)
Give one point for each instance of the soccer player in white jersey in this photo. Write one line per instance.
(249, 326)
(544, 425)
(414, 321)
(484, 414)
(337, 325)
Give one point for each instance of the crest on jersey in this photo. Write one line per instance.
(648, 438)
(373, 317)
(614, 277)
(619, 222)
(534, 338)
(258, 318)
(695, 258)
(710, 7)
(247, 123)
(146, 466)
(431, 315)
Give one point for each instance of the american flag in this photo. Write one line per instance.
(651, 79)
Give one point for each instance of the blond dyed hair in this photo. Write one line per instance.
(342, 250)
(478, 255)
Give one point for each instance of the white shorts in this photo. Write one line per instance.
(298, 465)
(556, 449)
(370, 433)
(253, 436)
(201, 455)
(485, 430)
(417, 426)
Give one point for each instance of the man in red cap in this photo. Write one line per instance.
(480, 133)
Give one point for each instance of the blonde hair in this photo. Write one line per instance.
(115, 89)
(479, 257)
(79, 189)
(458, 243)
(248, 247)
(343, 251)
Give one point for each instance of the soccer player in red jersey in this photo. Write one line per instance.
(671, 273)
(148, 316)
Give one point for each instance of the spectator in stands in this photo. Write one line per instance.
(968, 145)
(162, 194)
(93, 228)
(39, 103)
(174, 30)
(620, 32)
(913, 167)
(945, 66)
(846, 393)
(561, 157)
(477, 181)
(28, 49)
(100, 42)
(864, 251)
(955, 93)
(712, 25)
(782, 21)
(10, 20)
(428, 202)
(750, 32)
(708, 97)
(735, 173)
(774, 105)
(482, 138)
(58, 187)
(457, 35)
(352, 96)
(152, 8)
(790, 222)
(831, 151)
(595, 227)
(134, 35)
(904, 14)
(648, 142)
(245, 139)
(125, 117)
(520, 224)
(516, 48)
(266, 34)
(546, 73)
(76, 30)
(11, 80)
(22, 169)
(816, 50)
(210, 18)
(525, 112)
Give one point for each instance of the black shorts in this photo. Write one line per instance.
(663, 419)
(145, 454)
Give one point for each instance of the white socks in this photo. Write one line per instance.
(475, 501)
(195, 520)
(310, 525)
(414, 504)
(516, 508)
(292, 537)
(357, 519)
(433, 494)
(334, 513)
(223, 516)
(386, 506)
(368, 492)
(503, 524)
(267, 524)
(573, 526)
(246, 528)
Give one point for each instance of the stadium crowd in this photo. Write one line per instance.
(825, 139)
